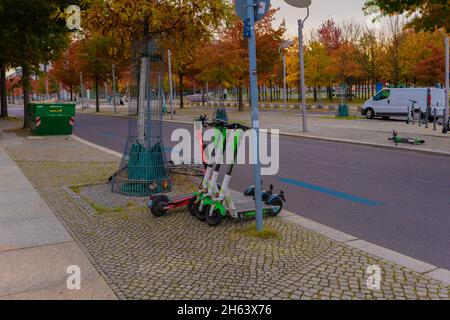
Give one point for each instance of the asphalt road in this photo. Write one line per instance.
(396, 199)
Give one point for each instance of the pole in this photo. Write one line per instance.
(207, 93)
(46, 88)
(169, 56)
(114, 87)
(284, 83)
(447, 80)
(255, 114)
(81, 90)
(302, 69)
(106, 91)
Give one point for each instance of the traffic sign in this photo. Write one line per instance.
(241, 8)
(299, 3)
(247, 29)
(262, 6)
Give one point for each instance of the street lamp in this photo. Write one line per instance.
(284, 46)
(301, 4)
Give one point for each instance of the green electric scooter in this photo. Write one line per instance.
(236, 205)
(209, 184)
(397, 139)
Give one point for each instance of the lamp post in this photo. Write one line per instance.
(284, 46)
(301, 23)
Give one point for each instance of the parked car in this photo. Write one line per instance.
(396, 102)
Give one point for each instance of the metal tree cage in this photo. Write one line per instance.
(144, 169)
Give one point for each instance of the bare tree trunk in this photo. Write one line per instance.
(203, 93)
(71, 92)
(181, 91)
(4, 102)
(240, 102)
(97, 102)
(26, 97)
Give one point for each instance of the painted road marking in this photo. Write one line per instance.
(331, 192)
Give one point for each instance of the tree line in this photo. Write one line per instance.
(208, 47)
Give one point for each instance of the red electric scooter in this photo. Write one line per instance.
(159, 204)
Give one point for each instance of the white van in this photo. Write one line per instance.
(396, 102)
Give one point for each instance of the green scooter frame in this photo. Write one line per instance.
(209, 185)
(222, 204)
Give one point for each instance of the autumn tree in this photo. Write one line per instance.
(95, 62)
(35, 32)
(373, 58)
(268, 41)
(180, 25)
(329, 35)
(317, 65)
(393, 42)
(431, 70)
(66, 69)
(346, 64)
(417, 47)
(427, 15)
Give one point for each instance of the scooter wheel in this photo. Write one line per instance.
(277, 202)
(201, 214)
(158, 206)
(445, 130)
(193, 206)
(214, 219)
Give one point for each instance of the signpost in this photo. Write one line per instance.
(250, 11)
(301, 4)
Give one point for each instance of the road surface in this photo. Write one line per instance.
(396, 199)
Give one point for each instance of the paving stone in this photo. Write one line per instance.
(179, 257)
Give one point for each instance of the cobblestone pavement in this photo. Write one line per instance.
(179, 257)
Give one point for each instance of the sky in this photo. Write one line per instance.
(320, 10)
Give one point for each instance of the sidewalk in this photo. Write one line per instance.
(325, 127)
(179, 257)
(35, 248)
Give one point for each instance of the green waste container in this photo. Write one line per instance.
(51, 118)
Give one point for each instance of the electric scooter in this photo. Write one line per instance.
(397, 139)
(265, 194)
(210, 184)
(159, 204)
(238, 206)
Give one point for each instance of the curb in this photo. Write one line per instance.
(310, 137)
(413, 264)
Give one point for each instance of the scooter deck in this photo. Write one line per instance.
(245, 204)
